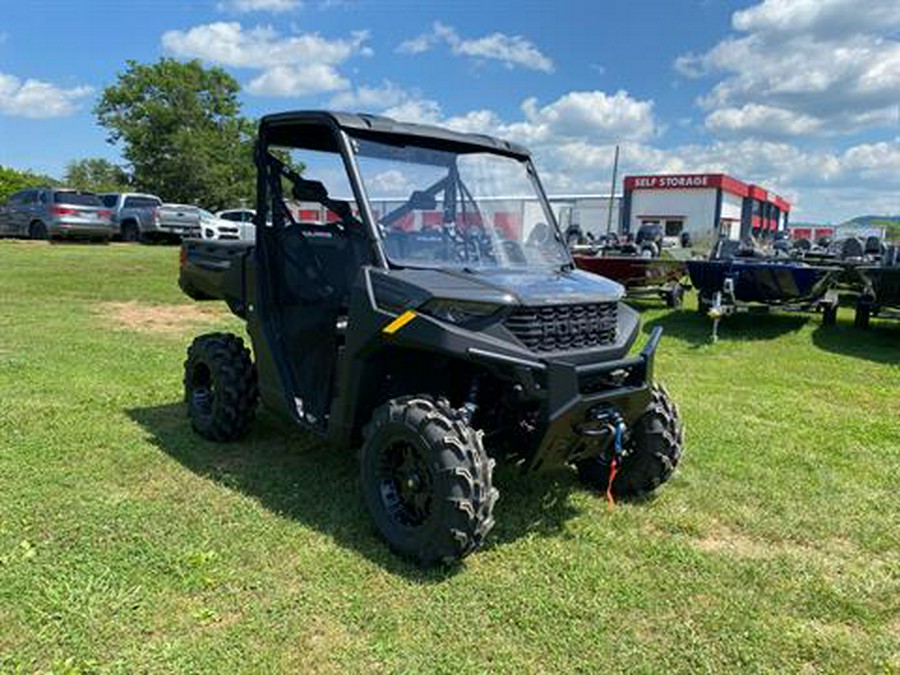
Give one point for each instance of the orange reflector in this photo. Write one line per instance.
(399, 322)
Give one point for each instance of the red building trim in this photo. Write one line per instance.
(687, 181)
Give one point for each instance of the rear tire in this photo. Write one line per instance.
(38, 231)
(220, 387)
(427, 480)
(654, 449)
(131, 232)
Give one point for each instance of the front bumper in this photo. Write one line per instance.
(183, 231)
(572, 395)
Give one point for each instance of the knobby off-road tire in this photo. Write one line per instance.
(654, 449)
(427, 480)
(220, 387)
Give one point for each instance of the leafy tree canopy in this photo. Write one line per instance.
(181, 130)
(13, 180)
(97, 175)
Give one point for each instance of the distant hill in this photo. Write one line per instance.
(870, 221)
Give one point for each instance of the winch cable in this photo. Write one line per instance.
(613, 468)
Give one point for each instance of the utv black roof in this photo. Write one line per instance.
(279, 129)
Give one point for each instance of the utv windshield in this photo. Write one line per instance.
(440, 208)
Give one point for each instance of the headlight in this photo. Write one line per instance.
(460, 312)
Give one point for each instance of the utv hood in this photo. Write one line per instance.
(499, 286)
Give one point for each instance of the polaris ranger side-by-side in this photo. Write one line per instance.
(430, 313)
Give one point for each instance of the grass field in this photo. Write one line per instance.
(127, 544)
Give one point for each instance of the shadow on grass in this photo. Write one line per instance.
(880, 343)
(295, 474)
(696, 329)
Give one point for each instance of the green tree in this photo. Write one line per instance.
(97, 175)
(891, 228)
(13, 180)
(181, 130)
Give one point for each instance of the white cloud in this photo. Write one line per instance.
(803, 67)
(294, 65)
(366, 98)
(753, 118)
(244, 6)
(823, 18)
(511, 50)
(573, 142)
(297, 80)
(418, 111)
(417, 45)
(37, 99)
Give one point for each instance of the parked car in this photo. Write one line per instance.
(135, 216)
(231, 224)
(45, 213)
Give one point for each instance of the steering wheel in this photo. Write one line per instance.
(513, 252)
(539, 236)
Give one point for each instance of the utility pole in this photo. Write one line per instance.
(612, 192)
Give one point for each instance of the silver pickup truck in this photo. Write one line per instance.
(180, 220)
(135, 215)
(144, 217)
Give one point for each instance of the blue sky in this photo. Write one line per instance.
(800, 96)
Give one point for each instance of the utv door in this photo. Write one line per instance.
(307, 262)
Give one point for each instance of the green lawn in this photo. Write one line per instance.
(127, 544)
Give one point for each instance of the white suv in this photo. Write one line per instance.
(233, 224)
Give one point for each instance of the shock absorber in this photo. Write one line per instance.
(469, 406)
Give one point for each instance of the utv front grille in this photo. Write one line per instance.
(565, 327)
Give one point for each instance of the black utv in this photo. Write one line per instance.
(409, 292)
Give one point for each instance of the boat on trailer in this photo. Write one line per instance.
(739, 279)
(881, 289)
(643, 276)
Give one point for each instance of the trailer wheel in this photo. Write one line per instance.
(654, 449)
(427, 480)
(863, 313)
(220, 387)
(703, 304)
(829, 315)
(675, 296)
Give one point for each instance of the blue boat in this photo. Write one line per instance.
(762, 280)
(733, 283)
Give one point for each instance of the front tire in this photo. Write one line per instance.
(427, 480)
(220, 387)
(131, 232)
(654, 449)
